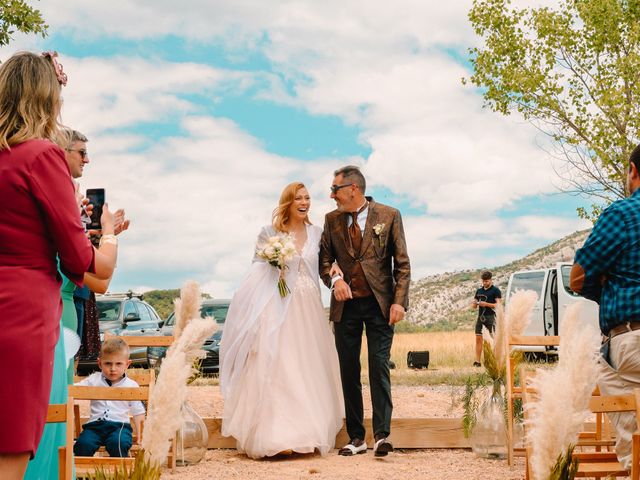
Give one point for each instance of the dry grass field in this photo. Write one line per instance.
(451, 356)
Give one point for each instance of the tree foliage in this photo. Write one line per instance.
(17, 15)
(162, 300)
(574, 72)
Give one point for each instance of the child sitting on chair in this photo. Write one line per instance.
(109, 423)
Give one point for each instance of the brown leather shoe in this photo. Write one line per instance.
(382, 447)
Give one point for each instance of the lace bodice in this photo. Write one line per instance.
(306, 283)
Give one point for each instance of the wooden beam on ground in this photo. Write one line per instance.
(405, 433)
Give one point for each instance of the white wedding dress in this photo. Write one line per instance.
(279, 371)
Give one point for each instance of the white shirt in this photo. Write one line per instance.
(112, 410)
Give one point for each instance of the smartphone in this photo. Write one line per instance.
(96, 198)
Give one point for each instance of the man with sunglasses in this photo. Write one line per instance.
(76, 151)
(367, 241)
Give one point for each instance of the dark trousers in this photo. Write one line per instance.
(115, 436)
(359, 313)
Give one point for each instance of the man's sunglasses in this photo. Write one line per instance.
(82, 152)
(335, 188)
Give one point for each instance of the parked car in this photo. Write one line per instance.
(210, 308)
(554, 296)
(124, 314)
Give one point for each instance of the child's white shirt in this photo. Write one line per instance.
(112, 410)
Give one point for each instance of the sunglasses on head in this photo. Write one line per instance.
(335, 188)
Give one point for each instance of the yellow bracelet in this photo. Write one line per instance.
(108, 238)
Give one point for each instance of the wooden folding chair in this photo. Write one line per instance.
(596, 464)
(63, 413)
(84, 465)
(153, 341)
(514, 392)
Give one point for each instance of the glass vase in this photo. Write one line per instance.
(489, 434)
(192, 438)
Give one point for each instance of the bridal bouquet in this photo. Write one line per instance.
(276, 251)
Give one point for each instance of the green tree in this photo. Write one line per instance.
(17, 15)
(574, 72)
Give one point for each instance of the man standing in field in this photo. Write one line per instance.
(485, 300)
(607, 270)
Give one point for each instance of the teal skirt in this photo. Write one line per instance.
(44, 465)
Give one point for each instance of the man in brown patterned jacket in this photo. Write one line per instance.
(367, 241)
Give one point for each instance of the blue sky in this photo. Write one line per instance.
(198, 114)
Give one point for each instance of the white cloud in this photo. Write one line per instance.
(199, 195)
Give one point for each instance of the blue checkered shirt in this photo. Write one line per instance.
(613, 250)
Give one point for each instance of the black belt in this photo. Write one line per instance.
(624, 328)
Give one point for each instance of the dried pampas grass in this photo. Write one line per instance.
(187, 306)
(519, 312)
(170, 391)
(512, 322)
(557, 416)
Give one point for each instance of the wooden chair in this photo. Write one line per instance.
(63, 413)
(514, 392)
(596, 463)
(146, 379)
(85, 465)
(153, 341)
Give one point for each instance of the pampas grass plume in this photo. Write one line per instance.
(500, 337)
(187, 306)
(519, 312)
(557, 416)
(170, 391)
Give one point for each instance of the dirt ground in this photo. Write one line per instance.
(427, 401)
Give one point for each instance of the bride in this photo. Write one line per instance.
(279, 370)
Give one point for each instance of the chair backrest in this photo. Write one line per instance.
(514, 392)
(599, 464)
(145, 340)
(63, 413)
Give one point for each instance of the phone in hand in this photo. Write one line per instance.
(96, 198)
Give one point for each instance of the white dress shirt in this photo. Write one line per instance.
(112, 410)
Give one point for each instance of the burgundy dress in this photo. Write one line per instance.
(38, 221)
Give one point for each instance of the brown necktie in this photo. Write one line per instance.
(355, 233)
(354, 230)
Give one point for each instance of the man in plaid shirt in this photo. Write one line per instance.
(607, 270)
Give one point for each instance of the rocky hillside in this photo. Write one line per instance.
(445, 298)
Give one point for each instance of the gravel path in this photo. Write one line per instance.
(427, 401)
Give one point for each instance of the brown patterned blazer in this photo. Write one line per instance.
(384, 257)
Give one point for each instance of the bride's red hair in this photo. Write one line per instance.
(280, 217)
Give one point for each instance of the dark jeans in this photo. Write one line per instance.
(358, 314)
(115, 436)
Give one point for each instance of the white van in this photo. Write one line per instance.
(554, 296)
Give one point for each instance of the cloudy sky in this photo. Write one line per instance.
(199, 112)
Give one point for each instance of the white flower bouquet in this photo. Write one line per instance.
(276, 251)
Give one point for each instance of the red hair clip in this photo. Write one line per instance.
(57, 67)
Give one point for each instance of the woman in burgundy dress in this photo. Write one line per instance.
(38, 224)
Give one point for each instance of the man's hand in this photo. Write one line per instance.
(474, 303)
(396, 314)
(342, 291)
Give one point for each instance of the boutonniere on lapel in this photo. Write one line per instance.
(378, 229)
